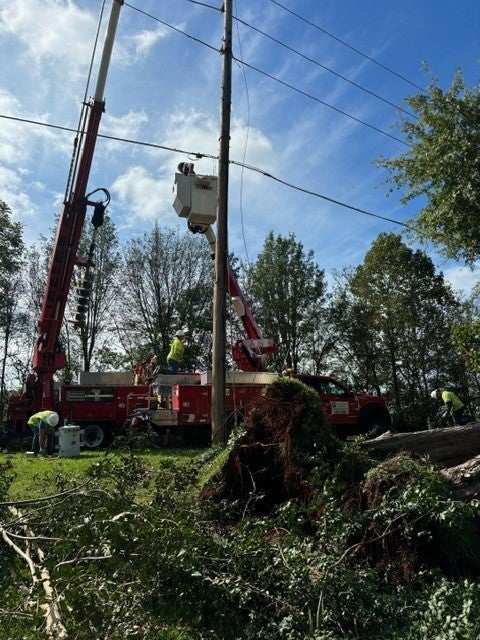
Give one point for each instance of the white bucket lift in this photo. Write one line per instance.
(195, 198)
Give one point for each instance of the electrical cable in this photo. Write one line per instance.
(170, 26)
(242, 226)
(326, 104)
(346, 44)
(322, 196)
(312, 60)
(82, 116)
(271, 77)
(322, 66)
(200, 155)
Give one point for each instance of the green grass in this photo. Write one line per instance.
(33, 475)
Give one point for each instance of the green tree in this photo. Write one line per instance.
(394, 320)
(288, 289)
(95, 337)
(466, 339)
(166, 283)
(11, 257)
(443, 166)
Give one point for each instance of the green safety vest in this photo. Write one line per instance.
(40, 420)
(449, 396)
(176, 350)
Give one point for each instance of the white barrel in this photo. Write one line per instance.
(69, 441)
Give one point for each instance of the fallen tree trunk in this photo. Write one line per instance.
(464, 479)
(449, 447)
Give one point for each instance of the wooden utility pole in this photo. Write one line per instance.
(219, 427)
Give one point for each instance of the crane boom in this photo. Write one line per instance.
(250, 353)
(48, 356)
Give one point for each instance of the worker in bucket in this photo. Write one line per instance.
(42, 425)
(175, 355)
(455, 408)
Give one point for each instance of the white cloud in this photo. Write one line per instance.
(11, 189)
(126, 126)
(146, 40)
(462, 279)
(143, 196)
(52, 32)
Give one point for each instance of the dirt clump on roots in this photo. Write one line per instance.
(286, 446)
(410, 521)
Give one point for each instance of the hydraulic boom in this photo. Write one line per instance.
(48, 356)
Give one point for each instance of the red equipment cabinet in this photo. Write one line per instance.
(193, 403)
(101, 410)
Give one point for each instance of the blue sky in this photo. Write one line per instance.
(163, 89)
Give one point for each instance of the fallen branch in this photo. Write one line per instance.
(25, 556)
(53, 622)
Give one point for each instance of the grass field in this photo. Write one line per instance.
(33, 475)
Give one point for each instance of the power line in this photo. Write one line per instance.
(312, 60)
(274, 78)
(319, 64)
(200, 155)
(326, 104)
(322, 196)
(170, 26)
(346, 44)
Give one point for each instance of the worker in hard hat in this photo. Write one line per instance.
(42, 425)
(455, 408)
(175, 355)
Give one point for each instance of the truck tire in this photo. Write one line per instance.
(374, 421)
(96, 436)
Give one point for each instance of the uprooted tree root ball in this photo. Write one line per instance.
(287, 446)
(410, 520)
(405, 515)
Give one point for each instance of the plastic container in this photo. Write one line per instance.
(69, 441)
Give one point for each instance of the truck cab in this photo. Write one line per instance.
(350, 412)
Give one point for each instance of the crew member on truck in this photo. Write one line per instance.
(42, 425)
(175, 355)
(454, 406)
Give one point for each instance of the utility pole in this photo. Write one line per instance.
(219, 427)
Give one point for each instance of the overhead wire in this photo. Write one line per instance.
(322, 66)
(323, 196)
(171, 26)
(346, 44)
(312, 60)
(199, 155)
(326, 104)
(245, 146)
(272, 77)
(77, 141)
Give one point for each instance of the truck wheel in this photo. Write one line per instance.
(95, 436)
(373, 421)
(376, 427)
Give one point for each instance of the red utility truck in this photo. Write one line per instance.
(178, 407)
(350, 412)
(182, 411)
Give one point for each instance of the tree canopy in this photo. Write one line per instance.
(442, 165)
(287, 286)
(395, 313)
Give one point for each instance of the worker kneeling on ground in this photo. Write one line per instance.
(42, 425)
(455, 408)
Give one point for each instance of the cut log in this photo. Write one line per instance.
(464, 479)
(449, 447)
